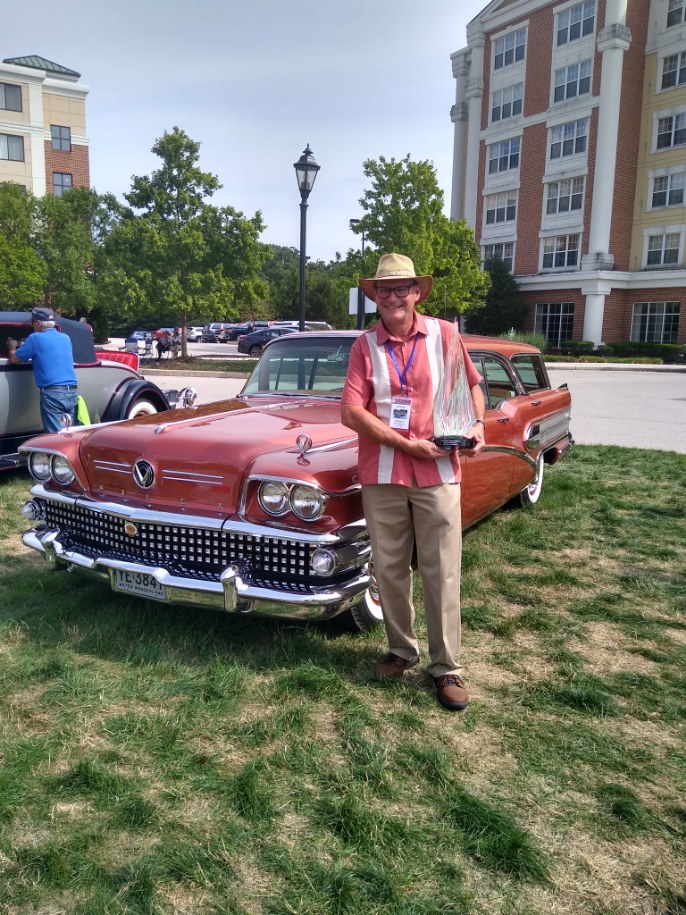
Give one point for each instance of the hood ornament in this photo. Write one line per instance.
(303, 443)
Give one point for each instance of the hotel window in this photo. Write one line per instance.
(61, 182)
(61, 137)
(675, 12)
(655, 322)
(11, 147)
(668, 190)
(671, 131)
(575, 22)
(572, 81)
(504, 250)
(560, 251)
(568, 139)
(10, 97)
(564, 196)
(503, 156)
(663, 250)
(674, 70)
(555, 321)
(509, 49)
(506, 102)
(501, 208)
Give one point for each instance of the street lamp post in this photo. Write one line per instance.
(305, 172)
(360, 291)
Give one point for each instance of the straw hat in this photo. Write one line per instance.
(396, 267)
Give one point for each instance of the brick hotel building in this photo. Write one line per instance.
(570, 161)
(43, 142)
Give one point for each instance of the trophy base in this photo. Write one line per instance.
(448, 442)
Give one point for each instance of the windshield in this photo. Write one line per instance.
(301, 366)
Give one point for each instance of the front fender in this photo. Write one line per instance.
(135, 389)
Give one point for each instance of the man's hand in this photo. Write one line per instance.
(425, 450)
(477, 433)
(11, 344)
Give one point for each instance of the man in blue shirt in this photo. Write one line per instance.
(52, 360)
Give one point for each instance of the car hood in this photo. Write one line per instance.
(198, 458)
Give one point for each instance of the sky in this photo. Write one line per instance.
(255, 81)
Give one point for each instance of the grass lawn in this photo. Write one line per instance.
(157, 760)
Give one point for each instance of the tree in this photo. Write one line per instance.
(22, 273)
(173, 254)
(504, 308)
(66, 245)
(404, 213)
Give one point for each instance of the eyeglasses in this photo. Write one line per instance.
(383, 292)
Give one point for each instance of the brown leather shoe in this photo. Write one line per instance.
(451, 692)
(391, 665)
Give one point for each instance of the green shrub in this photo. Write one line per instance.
(537, 340)
(667, 352)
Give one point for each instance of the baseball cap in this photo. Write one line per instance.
(42, 314)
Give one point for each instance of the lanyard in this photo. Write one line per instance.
(402, 375)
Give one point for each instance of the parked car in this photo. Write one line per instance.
(109, 383)
(164, 330)
(272, 523)
(211, 332)
(253, 343)
(194, 334)
(139, 334)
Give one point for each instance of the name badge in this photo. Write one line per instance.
(400, 412)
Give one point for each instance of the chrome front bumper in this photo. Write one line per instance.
(230, 593)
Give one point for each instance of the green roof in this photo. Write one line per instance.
(40, 63)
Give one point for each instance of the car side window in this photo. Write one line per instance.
(531, 370)
(18, 332)
(500, 385)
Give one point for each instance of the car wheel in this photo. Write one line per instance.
(141, 407)
(367, 613)
(256, 350)
(532, 493)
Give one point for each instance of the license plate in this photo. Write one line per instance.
(139, 583)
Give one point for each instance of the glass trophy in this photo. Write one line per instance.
(453, 408)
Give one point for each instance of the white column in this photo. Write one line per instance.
(458, 115)
(37, 138)
(474, 94)
(613, 42)
(595, 310)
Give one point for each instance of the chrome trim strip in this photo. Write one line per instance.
(180, 476)
(200, 420)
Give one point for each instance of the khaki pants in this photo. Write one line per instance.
(399, 517)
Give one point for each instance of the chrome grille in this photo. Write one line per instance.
(189, 552)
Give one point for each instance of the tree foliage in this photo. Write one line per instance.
(404, 212)
(175, 255)
(505, 308)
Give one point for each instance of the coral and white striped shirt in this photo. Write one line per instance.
(373, 380)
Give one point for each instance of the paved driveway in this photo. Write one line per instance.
(633, 408)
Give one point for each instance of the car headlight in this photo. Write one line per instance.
(39, 466)
(273, 497)
(62, 470)
(307, 502)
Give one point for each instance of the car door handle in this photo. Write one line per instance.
(504, 419)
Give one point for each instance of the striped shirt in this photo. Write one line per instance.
(373, 380)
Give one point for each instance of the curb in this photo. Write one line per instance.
(614, 367)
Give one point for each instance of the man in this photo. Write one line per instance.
(410, 486)
(52, 360)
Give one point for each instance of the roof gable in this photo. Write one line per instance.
(36, 62)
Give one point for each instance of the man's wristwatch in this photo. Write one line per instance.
(480, 421)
